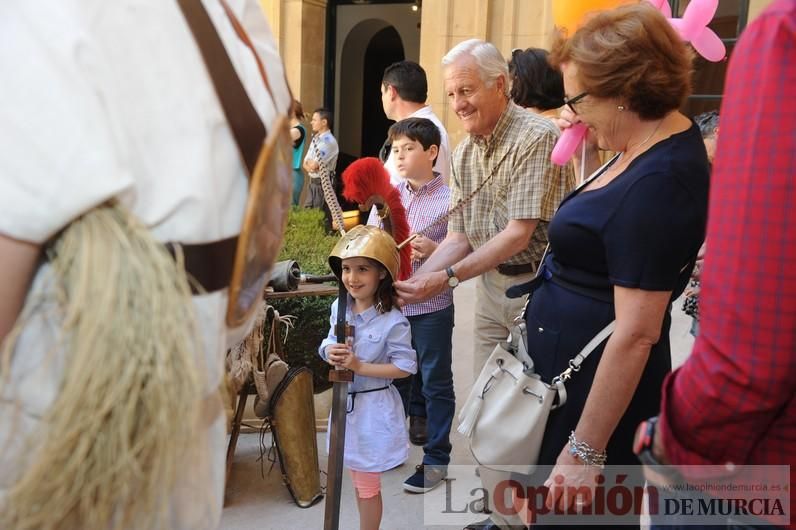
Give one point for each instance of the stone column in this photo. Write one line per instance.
(506, 23)
(299, 27)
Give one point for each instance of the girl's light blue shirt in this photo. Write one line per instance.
(376, 437)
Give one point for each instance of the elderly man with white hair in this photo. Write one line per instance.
(500, 235)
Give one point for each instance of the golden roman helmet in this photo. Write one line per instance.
(366, 241)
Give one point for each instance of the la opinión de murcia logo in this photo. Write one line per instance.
(619, 495)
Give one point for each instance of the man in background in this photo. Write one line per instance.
(404, 90)
(321, 157)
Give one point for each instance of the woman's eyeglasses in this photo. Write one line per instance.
(570, 102)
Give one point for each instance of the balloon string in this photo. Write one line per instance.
(583, 159)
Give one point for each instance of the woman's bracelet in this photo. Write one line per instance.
(586, 453)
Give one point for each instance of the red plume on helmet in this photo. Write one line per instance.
(366, 182)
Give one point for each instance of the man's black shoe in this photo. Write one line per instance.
(417, 430)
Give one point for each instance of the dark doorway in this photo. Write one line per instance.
(383, 49)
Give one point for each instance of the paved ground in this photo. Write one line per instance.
(261, 502)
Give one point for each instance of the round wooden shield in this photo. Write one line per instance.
(264, 223)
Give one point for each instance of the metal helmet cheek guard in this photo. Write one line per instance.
(365, 241)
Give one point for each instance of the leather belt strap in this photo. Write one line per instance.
(514, 270)
(209, 264)
(545, 274)
(354, 395)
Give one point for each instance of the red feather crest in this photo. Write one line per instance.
(367, 178)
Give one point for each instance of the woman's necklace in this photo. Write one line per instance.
(644, 141)
(602, 179)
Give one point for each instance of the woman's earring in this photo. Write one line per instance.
(620, 107)
(379, 307)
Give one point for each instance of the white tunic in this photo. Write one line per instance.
(376, 438)
(112, 99)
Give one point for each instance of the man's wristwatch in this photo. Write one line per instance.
(453, 281)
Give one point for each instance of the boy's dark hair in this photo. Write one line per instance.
(534, 82)
(707, 122)
(420, 130)
(324, 114)
(409, 80)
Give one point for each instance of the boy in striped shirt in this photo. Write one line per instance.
(428, 398)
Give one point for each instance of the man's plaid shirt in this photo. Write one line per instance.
(526, 184)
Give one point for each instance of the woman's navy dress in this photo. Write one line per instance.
(642, 230)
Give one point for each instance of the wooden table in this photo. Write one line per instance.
(305, 289)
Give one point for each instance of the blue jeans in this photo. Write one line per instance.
(429, 393)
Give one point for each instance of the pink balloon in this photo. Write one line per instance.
(567, 144)
(693, 28)
(709, 45)
(662, 6)
(697, 16)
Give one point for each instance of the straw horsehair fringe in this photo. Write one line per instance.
(109, 449)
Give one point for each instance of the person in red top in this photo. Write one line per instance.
(733, 401)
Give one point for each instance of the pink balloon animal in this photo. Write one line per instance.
(693, 27)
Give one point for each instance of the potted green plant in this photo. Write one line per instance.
(307, 242)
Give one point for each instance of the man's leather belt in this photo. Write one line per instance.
(210, 264)
(514, 270)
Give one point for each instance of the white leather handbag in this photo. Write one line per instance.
(506, 412)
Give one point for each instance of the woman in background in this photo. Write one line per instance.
(708, 123)
(299, 135)
(535, 84)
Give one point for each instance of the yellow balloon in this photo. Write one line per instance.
(570, 14)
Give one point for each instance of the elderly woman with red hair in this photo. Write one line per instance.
(621, 247)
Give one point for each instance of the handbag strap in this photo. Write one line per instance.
(580, 186)
(577, 361)
(247, 126)
(518, 290)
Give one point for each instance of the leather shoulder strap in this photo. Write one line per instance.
(246, 125)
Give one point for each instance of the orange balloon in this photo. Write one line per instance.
(568, 15)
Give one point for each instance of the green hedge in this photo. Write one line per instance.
(307, 242)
